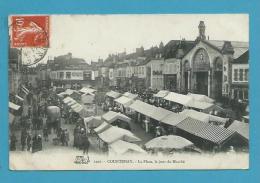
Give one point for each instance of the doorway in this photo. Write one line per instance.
(202, 83)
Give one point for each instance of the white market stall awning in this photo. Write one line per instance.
(67, 100)
(207, 118)
(76, 107)
(169, 142)
(14, 106)
(143, 108)
(178, 98)
(160, 113)
(130, 95)
(87, 98)
(20, 98)
(122, 147)
(69, 91)
(87, 90)
(241, 128)
(72, 102)
(25, 90)
(201, 98)
(112, 116)
(102, 127)
(125, 101)
(113, 94)
(113, 134)
(173, 119)
(199, 105)
(161, 93)
(93, 121)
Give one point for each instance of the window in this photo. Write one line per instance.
(61, 75)
(235, 94)
(241, 74)
(68, 75)
(235, 74)
(246, 74)
(245, 94)
(240, 94)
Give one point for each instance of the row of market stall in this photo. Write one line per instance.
(117, 140)
(205, 130)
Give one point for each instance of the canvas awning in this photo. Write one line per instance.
(161, 93)
(20, 98)
(207, 118)
(160, 113)
(122, 147)
(173, 119)
(76, 107)
(93, 121)
(191, 125)
(102, 127)
(14, 106)
(130, 95)
(67, 100)
(241, 128)
(143, 108)
(113, 134)
(215, 134)
(178, 98)
(201, 98)
(87, 90)
(125, 101)
(71, 102)
(25, 90)
(69, 91)
(112, 116)
(207, 131)
(87, 98)
(199, 105)
(113, 94)
(168, 142)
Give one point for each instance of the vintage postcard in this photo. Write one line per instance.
(128, 92)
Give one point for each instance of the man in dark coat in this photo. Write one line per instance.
(23, 138)
(39, 142)
(62, 137)
(13, 142)
(85, 144)
(45, 134)
(34, 144)
(28, 142)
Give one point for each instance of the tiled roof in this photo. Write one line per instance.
(243, 59)
(238, 46)
(174, 119)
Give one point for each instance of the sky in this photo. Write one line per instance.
(96, 36)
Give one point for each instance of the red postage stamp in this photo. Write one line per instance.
(30, 31)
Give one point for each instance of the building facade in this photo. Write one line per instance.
(240, 78)
(206, 68)
(68, 71)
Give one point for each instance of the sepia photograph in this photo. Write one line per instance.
(128, 91)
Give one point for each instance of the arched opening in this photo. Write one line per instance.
(201, 66)
(217, 78)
